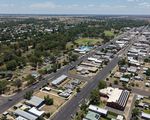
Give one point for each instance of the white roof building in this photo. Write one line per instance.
(132, 69)
(119, 117)
(98, 110)
(20, 118)
(95, 60)
(113, 93)
(145, 115)
(25, 115)
(117, 98)
(36, 112)
(59, 80)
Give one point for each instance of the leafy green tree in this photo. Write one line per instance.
(48, 100)
(47, 115)
(78, 89)
(28, 95)
(122, 62)
(30, 80)
(11, 65)
(3, 117)
(135, 112)
(116, 82)
(102, 84)
(18, 83)
(3, 85)
(95, 97)
(148, 72)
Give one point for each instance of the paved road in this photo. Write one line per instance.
(135, 90)
(72, 105)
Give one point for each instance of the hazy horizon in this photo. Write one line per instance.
(92, 7)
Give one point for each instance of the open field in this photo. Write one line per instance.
(109, 33)
(88, 41)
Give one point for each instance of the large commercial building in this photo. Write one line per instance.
(117, 98)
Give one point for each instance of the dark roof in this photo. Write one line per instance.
(123, 98)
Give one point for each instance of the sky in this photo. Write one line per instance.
(141, 7)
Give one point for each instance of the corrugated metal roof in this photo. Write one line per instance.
(35, 101)
(59, 80)
(25, 114)
(98, 110)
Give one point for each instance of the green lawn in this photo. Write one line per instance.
(146, 100)
(69, 45)
(88, 41)
(109, 33)
(102, 104)
(146, 111)
(109, 116)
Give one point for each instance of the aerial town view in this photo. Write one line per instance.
(74, 60)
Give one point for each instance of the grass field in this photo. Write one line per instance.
(146, 111)
(109, 33)
(88, 41)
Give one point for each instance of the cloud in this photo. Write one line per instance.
(144, 4)
(135, 0)
(7, 5)
(45, 5)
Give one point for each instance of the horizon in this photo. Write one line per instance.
(92, 7)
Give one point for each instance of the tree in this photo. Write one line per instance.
(18, 83)
(102, 84)
(124, 84)
(48, 100)
(84, 107)
(54, 67)
(28, 95)
(147, 60)
(148, 72)
(30, 79)
(73, 57)
(78, 89)
(122, 62)
(3, 117)
(3, 85)
(135, 112)
(116, 82)
(47, 115)
(95, 97)
(11, 65)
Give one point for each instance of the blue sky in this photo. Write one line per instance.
(75, 6)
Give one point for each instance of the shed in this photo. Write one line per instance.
(124, 79)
